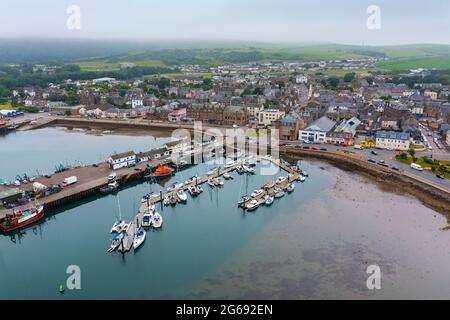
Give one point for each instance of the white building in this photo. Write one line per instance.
(392, 140)
(431, 94)
(317, 131)
(122, 160)
(266, 117)
(301, 79)
(254, 111)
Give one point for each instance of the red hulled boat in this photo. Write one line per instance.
(20, 219)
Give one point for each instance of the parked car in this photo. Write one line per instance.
(374, 153)
(323, 149)
(305, 147)
(372, 160)
(315, 148)
(395, 168)
(440, 176)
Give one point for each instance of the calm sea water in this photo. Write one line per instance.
(209, 247)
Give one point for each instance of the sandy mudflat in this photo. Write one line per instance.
(321, 249)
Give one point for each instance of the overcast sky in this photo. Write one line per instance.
(402, 21)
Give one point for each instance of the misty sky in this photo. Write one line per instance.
(344, 21)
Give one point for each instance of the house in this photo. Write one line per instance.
(317, 131)
(122, 160)
(152, 154)
(289, 126)
(267, 116)
(177, 115)
(301, 79)
(392, 140)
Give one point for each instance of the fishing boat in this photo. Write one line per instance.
(256, 193)
(268, 200)
(118, 226)
(20, 219)
(161, 172)
(290, 187)
(173, 200)
(109, 188)
(181, 195)
(243, 200)
(112, 176)
(147, 219)
(281, 180)
(157, 220)
(278, 193)
(252, 205)
(139, 238)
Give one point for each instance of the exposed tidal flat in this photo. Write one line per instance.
(314, 243)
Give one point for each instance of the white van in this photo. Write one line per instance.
(70, 180)
(416, 166)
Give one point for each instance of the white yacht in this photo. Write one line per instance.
(157, 220)
(181, 195)
(139, 238)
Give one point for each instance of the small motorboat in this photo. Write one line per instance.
(305, 174)
(211, 183)
(115, 242)
(278, 193)
(240, 170)
(175, 186)
(252, 205)
(229, 164)
(302, 179)
(199, 189)
(173, 200)
(181, 195)
(268, 200)
(243, 200)
(218, 182)
(157, 220)
(166, 201)
(190, 180)
(110, 188)
(146, 197)
(269, 185)
(227, 175)
(118, 226)
(248, 169)
(139, 238)
(193, 191)
(290, 187)
(256, 193)
(213, 171)
(250, 161)
(281, 180)
(147, 219)
(112, 176)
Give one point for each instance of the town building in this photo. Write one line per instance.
(289, 126)
(316, 132)
(122, 160)
(392, 140)
(267, 116)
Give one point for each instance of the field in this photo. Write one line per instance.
(6, 106)
(399, 57)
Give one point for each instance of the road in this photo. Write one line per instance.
(388, 157)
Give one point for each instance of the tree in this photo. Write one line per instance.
(349, 77)
(412, 152)
(333, 82)
(258, 91)
(403, 156)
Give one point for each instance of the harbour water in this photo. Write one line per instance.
(314, 243)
